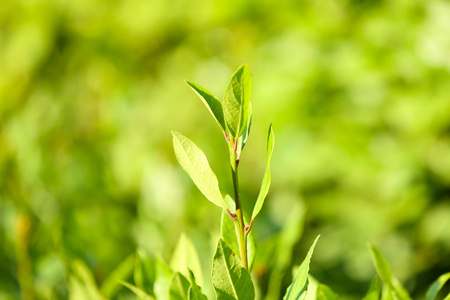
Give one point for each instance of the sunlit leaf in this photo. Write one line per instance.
(179, 287)
(212, 103)
(266, 179)
(195, 292)
(230, 279)
(374, 290)
(144, 272)
(110, 286)
(436, 286)
(142, 295)
(82, 283)
(297, 290)
(185, 256)
(194, 162)
(163, 280)
(384, 271)
(236, 104)
(325, 293)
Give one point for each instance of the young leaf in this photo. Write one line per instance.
(179, 287)
(110, 286)
(297, 290)
(384, 271)
(144, 272)
(266, 180)
(212, 103)
(194, 162)
(374, 290)
(163, 280)
(142, 295)
(185, 256)
(325, 293)
(236, 104)
(230, 279)
(195, 292)
(247, 129)
(436, 286)
(82, 283)
(228, 233)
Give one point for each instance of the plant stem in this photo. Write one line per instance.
(240, 226)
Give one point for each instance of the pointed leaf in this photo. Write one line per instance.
(247, 129)
(230, 279)
(384, 271)
(195, 292)
(144, 272)
(436, 286)
(228, 233)
(185, 256)
(325, 293)
(236, 104)
(82, 283)
(297, 290)
(266, 180)
(194, 162)
(374, 290)
(179, 287)
(163, 280)
(142, 295)
(212, 103)
(110, 286)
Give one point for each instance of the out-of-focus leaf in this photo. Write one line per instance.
(142, 295)
(185, 256)
(374, 290)
(82, 283)
(111, 285)
(179, 287)
(230, 279)
(144, 272)
(212, 103)
(436, 286)
(228, 233)
(325, 293)
(163, 280)
(266, 180)
(288, 237)
(384, 271)
(297, 290)
(195, 292)
(195, 163)
(236, 104)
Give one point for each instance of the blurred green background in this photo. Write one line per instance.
(358, 92)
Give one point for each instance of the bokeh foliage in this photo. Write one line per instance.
(357, 90)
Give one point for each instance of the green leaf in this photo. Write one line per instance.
(185, 256)
(297, 290)
(284, 245)
(325, 293)
(228, 233)
(230, 279)
(247, 129)
(144, 272)
(110, 286)
(194, 162)
(384, 271)
(236, 104)
(212, 103)
(142, 295)
(163, 280)
(436, 286)
(179, 287)
(195, 292)
(374, 290)
(82, 283)
(266, 180)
